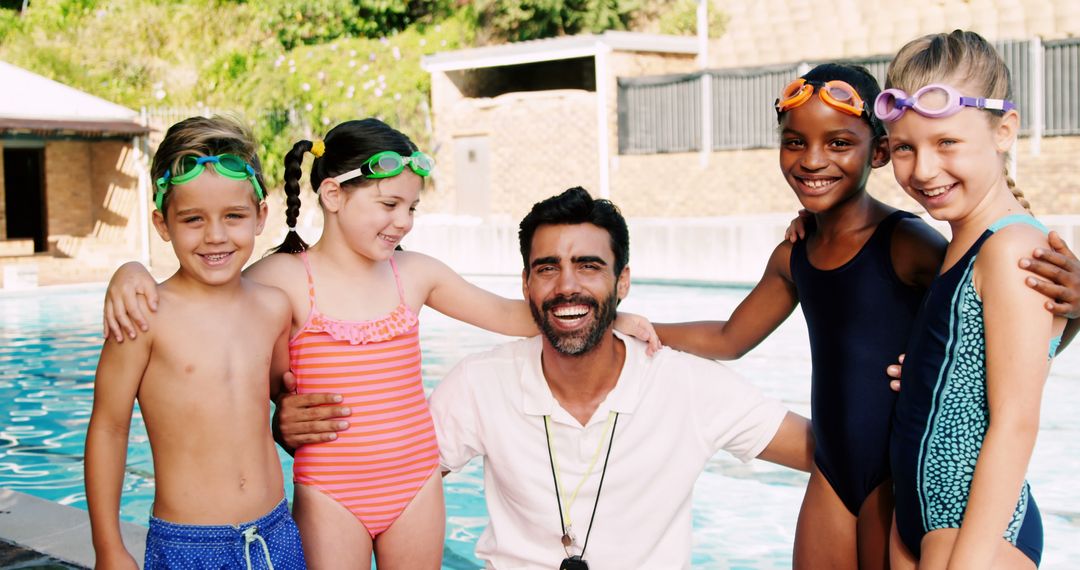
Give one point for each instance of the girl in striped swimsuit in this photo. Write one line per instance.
(376, 487)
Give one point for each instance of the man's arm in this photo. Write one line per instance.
(306, 418)
(793, 444)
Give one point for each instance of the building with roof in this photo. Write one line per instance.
(74, 194)
(621, 114)
(515, 121)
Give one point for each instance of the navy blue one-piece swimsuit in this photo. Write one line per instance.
(859, 316)
(942, 416)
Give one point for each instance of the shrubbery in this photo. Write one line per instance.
(291, 68)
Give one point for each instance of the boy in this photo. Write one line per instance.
(200, 376)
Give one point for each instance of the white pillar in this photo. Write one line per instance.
(706, 81)
(1038, 111)
(140, 146)
(603, 88)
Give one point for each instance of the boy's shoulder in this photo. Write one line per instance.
(267, 297)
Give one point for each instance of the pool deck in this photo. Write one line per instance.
(31, 525)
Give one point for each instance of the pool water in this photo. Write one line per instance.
(744, 514)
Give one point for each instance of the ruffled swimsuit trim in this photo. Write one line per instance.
(400, 321)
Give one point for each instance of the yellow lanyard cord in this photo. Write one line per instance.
(569, 501)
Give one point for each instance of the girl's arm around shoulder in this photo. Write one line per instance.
(1018, 332)
(756, 317)
(116, 384)
(917, 252)
(124, 315)
(442, 289)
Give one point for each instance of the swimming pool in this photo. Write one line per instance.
(744, 514)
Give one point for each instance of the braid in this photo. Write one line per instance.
(1016, 192)
(293, 242)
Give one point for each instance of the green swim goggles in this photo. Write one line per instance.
(389, 163)
(191, 166)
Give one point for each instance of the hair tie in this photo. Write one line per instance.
(318, 148)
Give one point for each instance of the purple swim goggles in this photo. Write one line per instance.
(935, 101)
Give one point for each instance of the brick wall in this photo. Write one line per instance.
(68, 188)
(749, 182)
(759, 33)
(114, 192)
(1051, 180)
(539, 143)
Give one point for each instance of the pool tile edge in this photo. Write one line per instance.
(56, 530)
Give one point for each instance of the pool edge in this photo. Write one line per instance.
(56, 530)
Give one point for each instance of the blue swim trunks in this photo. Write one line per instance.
(269, 543)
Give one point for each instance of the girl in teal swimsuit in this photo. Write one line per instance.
(967, 417)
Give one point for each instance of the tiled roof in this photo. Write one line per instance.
(30, 101)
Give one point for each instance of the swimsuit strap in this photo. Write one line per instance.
(1018, 219)
(310, 278)
(397, 281)
(1031, 221)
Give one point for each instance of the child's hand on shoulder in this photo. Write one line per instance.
(1059, 270)
(640, 328)
(796, 230)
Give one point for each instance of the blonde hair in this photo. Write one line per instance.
(203, 136)
(959, 57)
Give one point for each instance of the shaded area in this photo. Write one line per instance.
(13, 557)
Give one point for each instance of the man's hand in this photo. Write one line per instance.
(307, 418)
(1060, 270)
(893, 371)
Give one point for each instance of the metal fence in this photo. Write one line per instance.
(664, 114)
(1061, 98)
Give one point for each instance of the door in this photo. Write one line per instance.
(24, 195)
(472, 179)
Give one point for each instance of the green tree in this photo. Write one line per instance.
(520, 20)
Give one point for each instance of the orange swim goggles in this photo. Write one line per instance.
(837, 94)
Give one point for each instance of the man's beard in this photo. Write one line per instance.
(576, 343)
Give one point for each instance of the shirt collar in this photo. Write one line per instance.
(537, 399)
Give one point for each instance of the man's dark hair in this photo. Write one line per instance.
(575, 206)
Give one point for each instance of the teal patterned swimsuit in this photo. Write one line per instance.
(942, 416)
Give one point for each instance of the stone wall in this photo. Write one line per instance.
(771, 31)
(749, 182)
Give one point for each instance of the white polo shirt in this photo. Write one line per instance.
(675, 411)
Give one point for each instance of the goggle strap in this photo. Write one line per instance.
(354, 173)
(982, 103)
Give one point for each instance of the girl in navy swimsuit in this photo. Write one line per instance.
(968, 414)
(859, 275)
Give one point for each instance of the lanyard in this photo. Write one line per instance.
(568, 537)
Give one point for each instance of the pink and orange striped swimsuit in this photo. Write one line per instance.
(376, 467)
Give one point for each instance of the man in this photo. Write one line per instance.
(583, 409)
